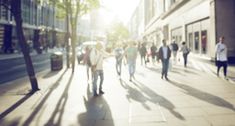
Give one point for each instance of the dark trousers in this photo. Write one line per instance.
(185, 56)
(118, 66)
(142, 57)
(98, 73)
(165, 65)
(223, 64)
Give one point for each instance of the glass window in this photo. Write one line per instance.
(196, 41)
(190, 40)
(204, 41)
(4, 13)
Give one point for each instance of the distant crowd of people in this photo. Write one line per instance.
(94, 57)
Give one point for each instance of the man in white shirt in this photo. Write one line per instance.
(164, 55)
(97, 56)
(221, 56)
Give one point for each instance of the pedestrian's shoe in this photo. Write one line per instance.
(162, 77)
(101, 92)
(226, 78)
(167, 78)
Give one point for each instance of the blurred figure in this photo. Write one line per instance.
(143, 52)
(131, 55)
(164, 55)
(221, 56)
(97, 56)
(87, 61)
(118, 56)
(153, 50)
(174, 47)
(185, 50)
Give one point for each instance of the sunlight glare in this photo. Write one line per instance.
(118, 9)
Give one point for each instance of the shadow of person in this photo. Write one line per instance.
(212, 99)
(158, 99)
(43, 101)
(56, 117)
(97, 111)
(153, 69)
(134, 94)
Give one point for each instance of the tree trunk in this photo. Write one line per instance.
(67, 35)
(73, 42)
(16, 10)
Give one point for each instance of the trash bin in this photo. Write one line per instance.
(56, 61)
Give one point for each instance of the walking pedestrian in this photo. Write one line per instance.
(164, 55)
(131, 55)
(97, 56)
(153, 52)
(87, 61)
(221, 56)
(118, 56)
(143, 52)
(174, 48)
(185, 50)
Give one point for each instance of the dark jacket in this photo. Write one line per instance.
(160, 53)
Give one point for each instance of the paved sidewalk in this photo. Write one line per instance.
(191, 98)
(205, 64)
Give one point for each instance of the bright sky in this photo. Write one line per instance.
(118, 9)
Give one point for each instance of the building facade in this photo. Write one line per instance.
(136, 23)
(41, 27)
(199, 23)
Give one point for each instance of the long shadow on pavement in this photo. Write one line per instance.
(97, 111)
(39, 106)
(158, 70)
(153, 97)
(158, 99)
(212, 99)
(14, 106)
(56, 117)
(134, 94)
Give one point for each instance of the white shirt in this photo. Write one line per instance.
(165, 51)
(97, 58)
(221, 52)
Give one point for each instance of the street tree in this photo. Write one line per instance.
(74, 9)
(117, 32)
(15, 8)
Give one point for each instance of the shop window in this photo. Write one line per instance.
(204, 41)
(190, 40)
(196, 41)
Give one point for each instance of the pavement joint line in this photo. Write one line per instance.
(163, 116)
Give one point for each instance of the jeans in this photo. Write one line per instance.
(98, 73)
(165, 65)
(119, 66)
(131, 66)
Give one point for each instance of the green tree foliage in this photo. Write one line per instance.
(117, 32)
